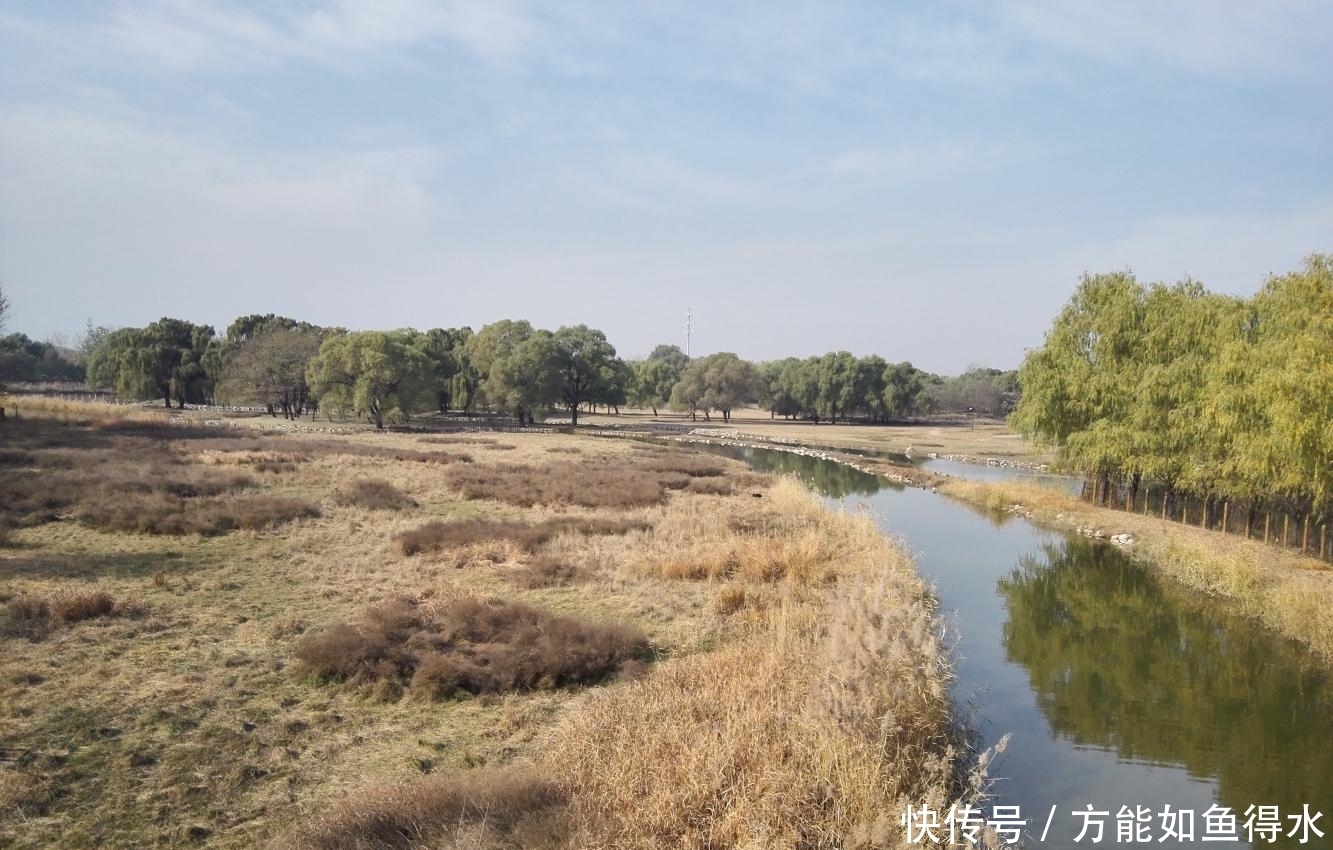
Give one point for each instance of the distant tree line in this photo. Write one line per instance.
(290, 367)
(1219, 397)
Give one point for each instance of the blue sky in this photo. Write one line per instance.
(922, 180)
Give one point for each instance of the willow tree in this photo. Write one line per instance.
(165, 360)
(378, 374)
(1079, 388)
(1292, 356)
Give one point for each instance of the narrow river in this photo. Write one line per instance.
(1117, 689)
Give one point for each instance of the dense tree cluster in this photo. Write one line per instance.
(24, 359)
(1223, 397)
(509, 367)
(840, 385)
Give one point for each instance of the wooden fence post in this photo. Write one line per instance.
(1164, 501)
(1305, 536)
(1185, 511)
(1323, 539)
(1286, 525)
(1268, 519)
(1226, 509)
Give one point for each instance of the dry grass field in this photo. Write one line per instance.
(941, 435)
(223, 638)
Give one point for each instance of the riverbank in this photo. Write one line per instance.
(1289, 594)
(229, 639)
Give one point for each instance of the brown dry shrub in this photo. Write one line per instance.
(71, 607)
(39, 496)
(468, 645)
(28, 609)
(33, 616)
(375, 494)
(438, 534)
(586, 483)
(546, 571)
(500, 809)
(161, 514)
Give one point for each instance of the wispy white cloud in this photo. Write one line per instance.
(225, 38)
(1196, 35)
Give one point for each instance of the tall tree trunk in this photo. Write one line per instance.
(574, 415)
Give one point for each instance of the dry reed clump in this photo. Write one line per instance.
(468, 645)
(786, 537)
(586, 483)
(162, 514)
(33, 615)
(374, 494)
(798, 736)
(486, 808)
(438, 535)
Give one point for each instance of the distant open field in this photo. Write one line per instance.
(216, 637)
(942, 435)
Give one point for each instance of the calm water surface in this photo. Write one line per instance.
(1116, 689)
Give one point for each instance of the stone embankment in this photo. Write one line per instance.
(1122, 539)
(984, 460)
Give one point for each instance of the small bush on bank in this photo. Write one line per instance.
(497, 809)
(469, 646)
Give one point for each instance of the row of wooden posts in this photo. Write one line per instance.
(1304, 531)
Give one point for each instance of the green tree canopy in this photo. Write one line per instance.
(518, 363)
(164, 360)
(656, 376)
(378, 374)
(583, 362)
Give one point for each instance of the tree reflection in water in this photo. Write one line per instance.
(1118, 660)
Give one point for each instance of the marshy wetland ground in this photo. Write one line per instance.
(223, 638)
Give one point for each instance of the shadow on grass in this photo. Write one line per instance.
(118, 564)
